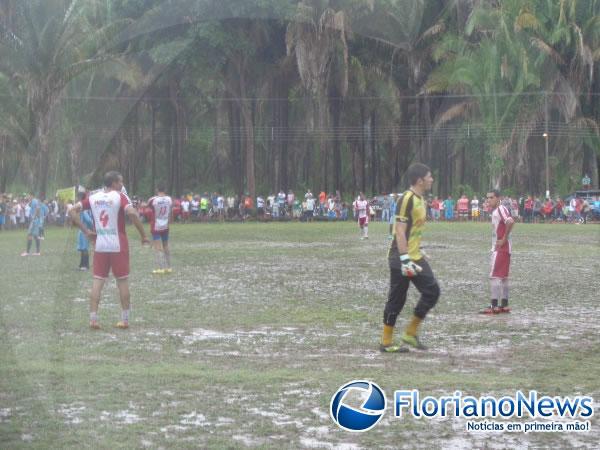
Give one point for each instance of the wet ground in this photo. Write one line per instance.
(244, 345)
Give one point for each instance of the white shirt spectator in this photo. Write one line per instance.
(185, 206)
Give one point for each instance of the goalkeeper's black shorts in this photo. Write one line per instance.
(425, 283)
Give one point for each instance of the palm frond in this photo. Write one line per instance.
(547, 50)
(456, 111)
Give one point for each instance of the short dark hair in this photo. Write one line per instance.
(496, 192)
(416, 171)
(111, 177)
(160, 187)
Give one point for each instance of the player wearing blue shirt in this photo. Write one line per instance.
(33, 232)
(85, 217)
(392, 218)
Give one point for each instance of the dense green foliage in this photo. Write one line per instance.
(260, 95)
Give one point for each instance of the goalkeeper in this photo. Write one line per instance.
(407, 263)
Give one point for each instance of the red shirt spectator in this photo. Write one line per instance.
(322, 197)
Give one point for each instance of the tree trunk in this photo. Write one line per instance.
(181, 136)
(217, 144)
(75, 153)
(170, 151)
(363, 150)
(3, 166)
(354, 181)
(248, 133)
(374, 155)
(336, 113)
(273, 163)
(321, 107)
(177, 137)
(134, 150)
(235, 148)
(590, 165)
(43, 128)
(153, 151)
(283, 140)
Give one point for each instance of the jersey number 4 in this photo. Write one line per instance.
(104, 219)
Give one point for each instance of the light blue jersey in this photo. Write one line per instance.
(392, 218)
(82, 241)
(44, 211)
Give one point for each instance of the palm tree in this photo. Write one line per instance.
(318, 36)
(45, 44)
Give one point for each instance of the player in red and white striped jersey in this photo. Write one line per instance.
(109, 207)
(361, 206)
(502, 225)
(161, 205)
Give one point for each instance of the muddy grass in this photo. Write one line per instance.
(244, 345)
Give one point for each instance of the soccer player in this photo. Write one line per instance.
(502, 225)
(85, 217)
(161, 206)
(109, 207)
(35, 226)
(407, 263)
(362, 211)
(392, 218)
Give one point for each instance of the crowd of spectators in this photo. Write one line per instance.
(282, 206)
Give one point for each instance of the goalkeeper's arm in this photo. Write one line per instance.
(401, 242)
(409, 268)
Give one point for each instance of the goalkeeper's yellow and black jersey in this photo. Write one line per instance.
(410, 209)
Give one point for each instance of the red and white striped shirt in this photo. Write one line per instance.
(500, 219)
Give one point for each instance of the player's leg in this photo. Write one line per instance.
(119, 263)
(499, 289)
(495, 294)
(504, 295)
(86, 259)
(125, 298)
(159, 255)
(366, 228)
(82, 256)
(36, 237)
(167, 252)
(101, 270)
(429, 289)
(395, 302)
(97, 285)
(29, 242)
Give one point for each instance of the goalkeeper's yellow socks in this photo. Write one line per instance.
(388, 335)
(413, 326)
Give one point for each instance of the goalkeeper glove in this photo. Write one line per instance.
(409, 268)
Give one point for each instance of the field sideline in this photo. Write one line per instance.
(244, 345)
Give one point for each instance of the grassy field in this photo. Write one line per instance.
(244, 345)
